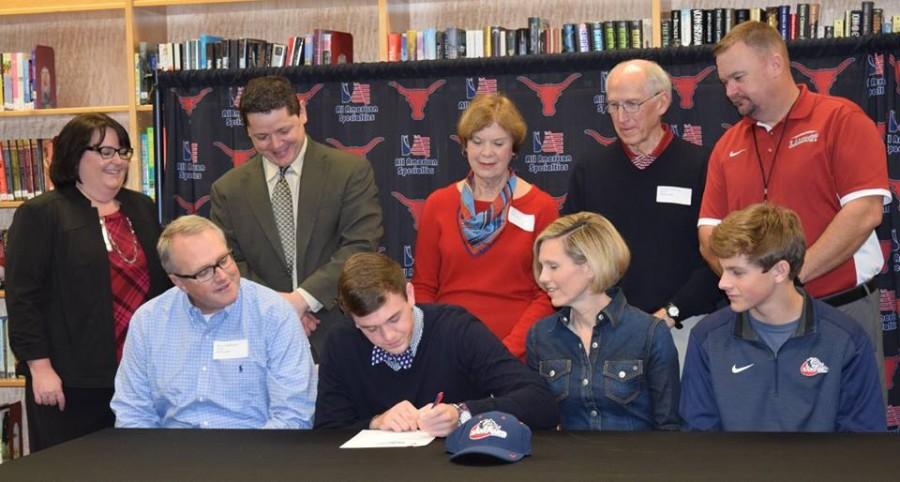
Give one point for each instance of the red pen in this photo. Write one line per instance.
(438, 399)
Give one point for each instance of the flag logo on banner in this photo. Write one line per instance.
(408, 261)
(189, 152)
(876, 64)
(356, 93)
(235, 93)
(481, 85)
(419, 147)
(823, 79)
(231, 115)
(600, 98)
(552, 142)
(875, 82)
(693, 134)
(892, 139)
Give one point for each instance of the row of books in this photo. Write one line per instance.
(148, 162)
(686, 27)
(25, 168)
(495, 41)
(28, 79)
(213, 52)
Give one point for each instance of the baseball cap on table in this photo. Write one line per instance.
(497, 434)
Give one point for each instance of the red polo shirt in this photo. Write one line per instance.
(830, 154)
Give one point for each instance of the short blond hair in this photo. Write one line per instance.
(486, 109)
(188, 225)
(759, 36)
(591, 239)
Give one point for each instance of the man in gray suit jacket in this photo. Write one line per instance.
(298, 209)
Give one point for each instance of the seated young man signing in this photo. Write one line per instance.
(776, 359)
(388, 371)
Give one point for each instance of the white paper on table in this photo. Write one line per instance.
(368, 439)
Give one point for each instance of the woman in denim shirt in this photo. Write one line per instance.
(612, 366)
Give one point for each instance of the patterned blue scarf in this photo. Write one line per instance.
(480, 230)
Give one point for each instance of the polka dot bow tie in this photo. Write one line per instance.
(403, 360)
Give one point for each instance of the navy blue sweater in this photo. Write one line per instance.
(823, 379)
(457, 355)
(665, 257)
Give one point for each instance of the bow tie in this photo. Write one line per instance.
(403, 360)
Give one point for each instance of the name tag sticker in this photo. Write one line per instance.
(520, 219)
(230, 350)
(673, 195)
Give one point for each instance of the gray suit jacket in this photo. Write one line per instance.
(338, 215)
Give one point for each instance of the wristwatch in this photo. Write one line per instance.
(464, 413)
(674, 313)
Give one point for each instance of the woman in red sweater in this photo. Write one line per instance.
(475, 236)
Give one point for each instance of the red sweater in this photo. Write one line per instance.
(497, 286)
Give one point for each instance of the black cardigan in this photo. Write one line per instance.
(457, 355)
(58, 283)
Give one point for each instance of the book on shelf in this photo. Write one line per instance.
(43, 68)
(148, 162)
(2, 268)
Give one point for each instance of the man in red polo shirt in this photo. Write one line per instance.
(818, 155)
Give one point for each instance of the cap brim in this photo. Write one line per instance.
(496, 452)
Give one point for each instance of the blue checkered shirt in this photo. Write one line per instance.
(169, 378)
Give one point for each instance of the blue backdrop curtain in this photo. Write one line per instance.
(402, 118)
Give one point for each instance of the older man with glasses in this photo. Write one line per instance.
(215, 351)
(649, 184)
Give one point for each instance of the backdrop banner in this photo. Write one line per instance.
(402, 118)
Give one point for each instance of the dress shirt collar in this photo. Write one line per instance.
(271, 170)
(612, 313)
(198, 317)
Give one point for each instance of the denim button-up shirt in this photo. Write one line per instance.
(627, 381)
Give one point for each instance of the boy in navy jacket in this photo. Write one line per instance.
(776, 359)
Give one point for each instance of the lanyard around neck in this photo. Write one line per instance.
(762, 171)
